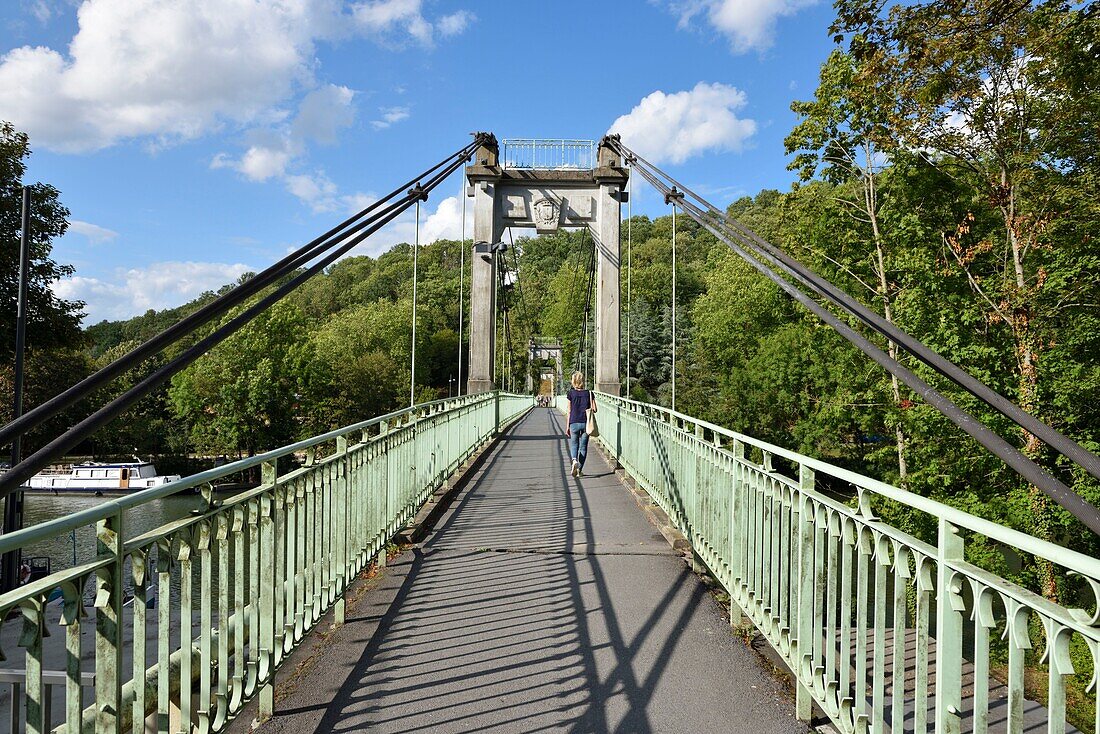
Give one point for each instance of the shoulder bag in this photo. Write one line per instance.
(590, 426)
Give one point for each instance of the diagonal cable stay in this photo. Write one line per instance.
(764, 256)
(337, 242)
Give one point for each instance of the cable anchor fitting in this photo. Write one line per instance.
(418, 193)
(674, 196)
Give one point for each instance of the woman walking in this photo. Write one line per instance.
(580, 401)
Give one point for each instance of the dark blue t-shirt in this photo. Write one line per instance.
(579, 401)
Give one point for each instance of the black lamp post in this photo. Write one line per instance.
(13, 505)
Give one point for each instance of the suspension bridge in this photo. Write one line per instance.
(437, 569)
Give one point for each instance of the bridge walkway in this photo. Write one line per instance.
(539, 603)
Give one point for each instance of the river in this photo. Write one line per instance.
(40, 507)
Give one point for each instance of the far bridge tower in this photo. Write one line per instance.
(545, 185)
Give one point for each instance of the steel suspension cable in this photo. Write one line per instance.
(1028, 469)
(572, 294)
(416, 252)
(506, 346)
(347, 228)
(461, 279)
(673, 201)
(11, 479)
(629, 292)
(509, 375)
(588, 303)
(1058, 441)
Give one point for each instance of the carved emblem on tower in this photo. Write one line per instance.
(544, 212)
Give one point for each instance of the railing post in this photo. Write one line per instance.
(71, 615)
(737, 520)
(496, 412)
(698, 521)
(37, 695)
(164, 625)
(267, 594)
(139, 567)
(949, 629)
(108, 627)
(343, 555)
(805, 614)
(203, 543)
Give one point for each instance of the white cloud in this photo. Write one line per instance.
(42, 10)
(445, 223)
(390, 115)
(455, 23)
(749, 25)
(157, 68)
(323, 112)
(316, 190)
(381, 16)
(674, 127)
(274, 151)
(165, 70)
(133, 291)
(95, 234)
(260, 163)
(389, 19)
(357, 202)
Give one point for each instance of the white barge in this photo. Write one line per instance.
(98, 478)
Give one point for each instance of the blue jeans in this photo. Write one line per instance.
(578, 443)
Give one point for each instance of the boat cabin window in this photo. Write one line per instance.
(125, 473)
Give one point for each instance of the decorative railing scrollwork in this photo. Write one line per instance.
(205, 608)
(883, 631)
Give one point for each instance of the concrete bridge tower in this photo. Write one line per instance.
(545, 185)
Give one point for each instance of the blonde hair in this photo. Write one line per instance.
(578, 380)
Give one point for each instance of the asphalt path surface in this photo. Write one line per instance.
(539, 603)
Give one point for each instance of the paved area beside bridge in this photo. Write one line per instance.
(540, 602)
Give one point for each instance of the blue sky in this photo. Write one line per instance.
(193, 141)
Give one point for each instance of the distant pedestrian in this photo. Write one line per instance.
(580, 402)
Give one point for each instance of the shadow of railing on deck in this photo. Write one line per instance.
(521, 654)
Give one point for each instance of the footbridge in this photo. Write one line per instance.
(535, 601)
(438, 569)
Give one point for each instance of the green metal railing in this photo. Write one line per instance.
(877, 626)
(239, 584)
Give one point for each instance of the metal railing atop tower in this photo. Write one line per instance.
(548, 154)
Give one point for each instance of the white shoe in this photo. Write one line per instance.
(575, 469)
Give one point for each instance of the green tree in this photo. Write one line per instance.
(54, 339)
(244, 395)
(970, 87)
(843, 131)
(362, 363)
